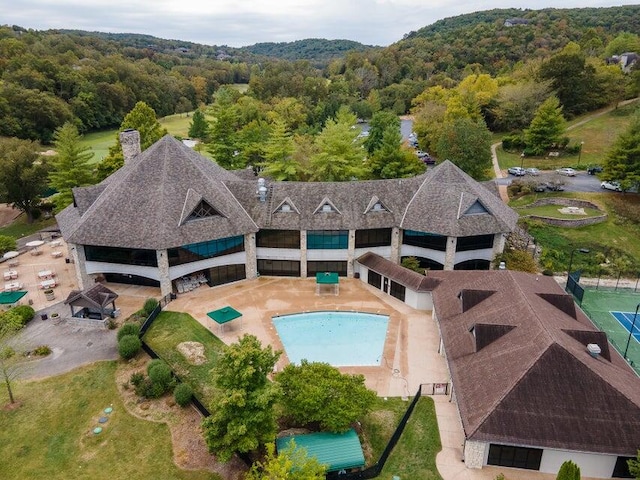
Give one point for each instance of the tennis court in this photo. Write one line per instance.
(612, 312)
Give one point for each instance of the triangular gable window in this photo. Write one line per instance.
(326, 206)
(376, 205)
(476, 209)
(203, 210)
(287, 206)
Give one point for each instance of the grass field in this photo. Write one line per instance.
(20, 228)
(598, 303)
(173, 328)
(552, 211)
(50, 434)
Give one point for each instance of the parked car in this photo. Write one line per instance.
(593, 169)
(569, 172)
(615, 186)
(517, 171)
(540, 187)
(554, 187)
(532, 171)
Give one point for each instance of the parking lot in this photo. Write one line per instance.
(582, 182)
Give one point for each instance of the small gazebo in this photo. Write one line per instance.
(224, 315)
(328, 278)
(97, 302)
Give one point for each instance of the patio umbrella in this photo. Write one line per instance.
(10, 254)
(34, 243)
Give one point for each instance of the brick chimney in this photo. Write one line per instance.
(130, 141)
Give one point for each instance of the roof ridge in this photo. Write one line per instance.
(413, 197)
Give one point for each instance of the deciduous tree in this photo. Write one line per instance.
(290, 463)
(243, 417)
(467, 144)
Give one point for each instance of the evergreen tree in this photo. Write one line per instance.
(243, 418)
(623, 160)
(70, 166)
(279, 161)
(141, 118)
(547, 127)
(390, 160)
(377, 126)
(222, 132)
(199, 128)
(634, 466)
(568, 471)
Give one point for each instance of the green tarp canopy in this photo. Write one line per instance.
(9, 298)
(224, 315)
(336, 450)
(327, 278)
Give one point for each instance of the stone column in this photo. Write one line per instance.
(303, 254)
(163, 272)
(79, 261)
(498, 244)
(474, 453)
(250, 251)
(351, 252)
(396, 242)
(450, 253)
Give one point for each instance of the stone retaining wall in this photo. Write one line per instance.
(565, 202)
(567, 222)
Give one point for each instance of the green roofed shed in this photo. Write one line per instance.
(10, 298)
(224, 315)
(336, 450)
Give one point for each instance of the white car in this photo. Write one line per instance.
(532, 171)
(569, 172)
(517, 171)
(615, 186)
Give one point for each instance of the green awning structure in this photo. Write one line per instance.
(336, 450)
(224, 315)
(9, 298)
(327, 278)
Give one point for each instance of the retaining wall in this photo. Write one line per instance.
(567, 222)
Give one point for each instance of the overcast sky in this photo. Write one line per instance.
(238, 23)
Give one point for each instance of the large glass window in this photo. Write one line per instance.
(621, 469)
(199, 251)
(278, 239)
(327, 239)
(374, 279)
(227, 274)
(279, 268)
(518, 457)
(398, 291)
(474, 243)
(327, 266)
(475, 264)
(130, 279)
(127, 256)
(425, 240)
(427, 263)
(373, 237)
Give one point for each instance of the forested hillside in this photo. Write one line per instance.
(317, 50)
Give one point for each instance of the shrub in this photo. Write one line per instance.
(7, 243)
(514, 141)
(7, 352)
(11, 321)
(112, 324)
(25, 312)
(42, 350)
(160, 374)
(182, 394)
(148, 389)
(136, 379)
(128, 329)
(128, 346)
(149, 305)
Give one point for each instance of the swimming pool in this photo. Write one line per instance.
(353, 339)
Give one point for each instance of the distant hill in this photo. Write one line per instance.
(316, 50)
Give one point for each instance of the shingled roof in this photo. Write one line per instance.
(149, 203)
(98, 296)
(521, 370)
(399, 274)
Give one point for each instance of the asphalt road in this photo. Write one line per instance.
(580, 183)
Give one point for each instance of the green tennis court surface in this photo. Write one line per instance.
(598, 305)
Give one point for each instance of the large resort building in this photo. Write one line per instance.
(170, 213)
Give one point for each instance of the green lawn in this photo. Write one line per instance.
(50, 434)
(553, 212)
(172, 328)
(99, 143)
(20, 227)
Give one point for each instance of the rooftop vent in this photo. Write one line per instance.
(262, 190)
(594, 349)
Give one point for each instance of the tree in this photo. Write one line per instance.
(546, 128)
(517, 103)
(623, 160)
(466, 143)
(340, 154)
(143, 119)
(10, 324)
(222, 132)
(70, 167)
(6, 244)
(290, 463)
(243, 418)
(634, 466)
(318, 393)
(518, 260)
(378, 124)
(279, 161)
(568, 471)
(412, 263)
(390, 160)
(199, 128)
(23, 175)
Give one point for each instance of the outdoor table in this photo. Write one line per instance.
(9, 274)
(56, 254)
(15, 263)
(47, 284)
(45, 274)
(12, 287)
(55, 243)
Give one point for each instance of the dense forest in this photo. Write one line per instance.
(94, 79)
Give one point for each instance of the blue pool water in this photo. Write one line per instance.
(337, 338)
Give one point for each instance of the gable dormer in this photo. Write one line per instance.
(476, 208)
(326, 206)
(286, 206)
(195, 207)
(202, 210)
(375, 205)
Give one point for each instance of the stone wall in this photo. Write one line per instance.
(565, 202)
(567, 222)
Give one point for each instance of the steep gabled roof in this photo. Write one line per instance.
(531, 381)
(143, 204)
(410, 279)
(98, 296)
